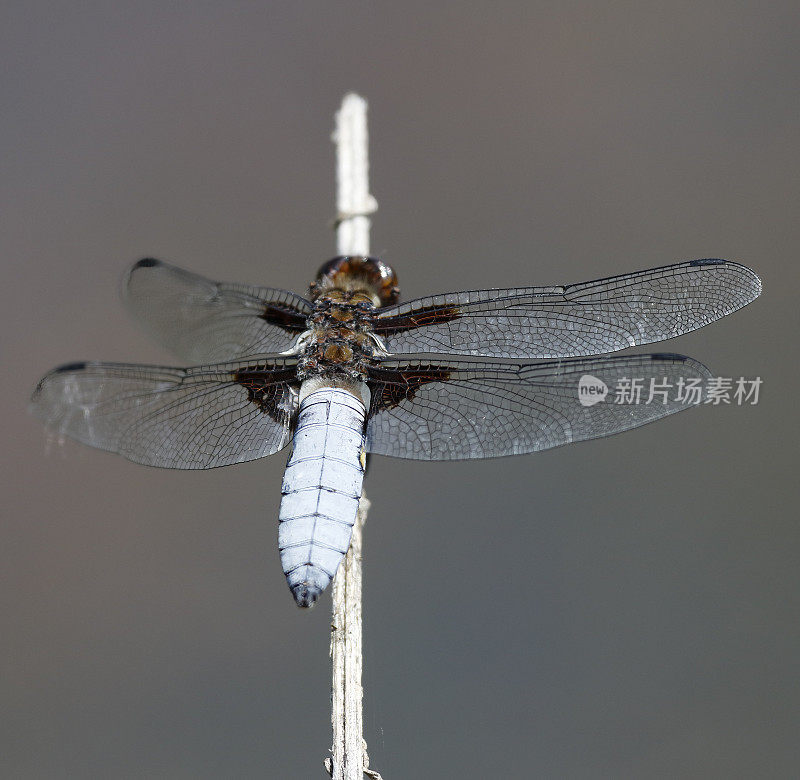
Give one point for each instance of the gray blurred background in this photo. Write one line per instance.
(641, 619)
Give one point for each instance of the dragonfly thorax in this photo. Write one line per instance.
(339, 342)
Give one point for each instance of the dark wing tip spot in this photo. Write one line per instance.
(131, 278)
(67, 368)
(146, 262)
(709, 261)
(750, 284)
(688, 362)
(70, 367)
(667, 356)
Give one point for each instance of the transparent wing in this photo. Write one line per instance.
(196, 418)
(591, 318)
(468, 409)
(202, 321)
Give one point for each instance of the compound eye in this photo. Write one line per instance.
(367, 276)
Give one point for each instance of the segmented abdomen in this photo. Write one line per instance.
(321, 489)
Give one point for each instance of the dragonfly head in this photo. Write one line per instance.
(354, 274)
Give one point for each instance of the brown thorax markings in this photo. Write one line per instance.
(340, 342)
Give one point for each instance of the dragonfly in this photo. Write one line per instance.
(351, 370)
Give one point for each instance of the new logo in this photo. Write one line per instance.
(591, 390)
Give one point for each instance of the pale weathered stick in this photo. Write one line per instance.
(354, 204)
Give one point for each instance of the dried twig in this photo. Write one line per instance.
(349, 759)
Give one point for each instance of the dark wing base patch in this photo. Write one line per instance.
(266, 388)
(397, 386)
